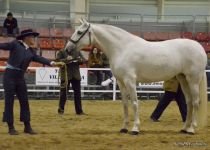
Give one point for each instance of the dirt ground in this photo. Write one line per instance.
(99, 129)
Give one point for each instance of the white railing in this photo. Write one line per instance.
(114, 89)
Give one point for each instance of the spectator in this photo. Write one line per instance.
(95, 61)
(208, 73)
(10, 26)
(172, 91)
(72, 58)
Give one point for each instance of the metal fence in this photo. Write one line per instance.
(128, 21)
(147, 89)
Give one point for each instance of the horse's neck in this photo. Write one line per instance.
(111, 40)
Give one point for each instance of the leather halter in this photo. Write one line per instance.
(89, 34)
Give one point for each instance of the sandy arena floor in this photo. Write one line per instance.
(99, 129)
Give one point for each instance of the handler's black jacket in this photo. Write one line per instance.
(20, 57)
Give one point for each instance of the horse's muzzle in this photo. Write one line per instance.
(70, 46)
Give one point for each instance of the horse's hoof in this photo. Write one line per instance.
(134, 132)
(186, 132)
(182, 131)
(123, 131)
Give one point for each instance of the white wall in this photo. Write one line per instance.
(172, 7)
(150, 7)
(124, 6)
(187, 7)
(97, 7)
(37, 5)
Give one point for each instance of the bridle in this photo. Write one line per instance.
(89, 34)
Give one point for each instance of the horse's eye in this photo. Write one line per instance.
(79, 32)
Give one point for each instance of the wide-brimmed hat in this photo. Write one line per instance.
(25, 33)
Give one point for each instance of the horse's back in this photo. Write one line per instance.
(184, 50)
(191, 52)
(153, 61)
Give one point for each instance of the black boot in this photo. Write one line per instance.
(60, 111)
(12, 130)
(28, 128)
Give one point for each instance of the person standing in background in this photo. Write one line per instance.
(72, 58)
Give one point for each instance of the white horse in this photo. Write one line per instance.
(133, 60)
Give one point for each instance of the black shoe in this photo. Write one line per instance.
(60, 111)
(29, 131)
(82, 113)
(154, 120)
(13, 131)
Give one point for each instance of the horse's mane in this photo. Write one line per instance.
(115, 30)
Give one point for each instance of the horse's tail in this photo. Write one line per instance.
(202, 110)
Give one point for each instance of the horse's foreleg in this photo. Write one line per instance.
(126, 118)
(125, 107)
(135, 129)
(133, 96)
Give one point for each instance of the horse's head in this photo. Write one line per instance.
(81, 37)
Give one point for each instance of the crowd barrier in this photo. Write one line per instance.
(155, 87)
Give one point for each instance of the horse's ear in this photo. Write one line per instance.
(81, 21)
(84, 21)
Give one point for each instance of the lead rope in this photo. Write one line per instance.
(65, 77)
(65, 81)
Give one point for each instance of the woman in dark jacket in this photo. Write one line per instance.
(95, 61)
(21, 54)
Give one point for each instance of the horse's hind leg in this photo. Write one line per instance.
(192, 103)
(194, 88)
(185, 88)
(125, 106)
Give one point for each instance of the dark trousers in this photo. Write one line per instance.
(11, 32)
(165, 101)
(98, 74)
(76, 86)
(14, 83)
(108, 74)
